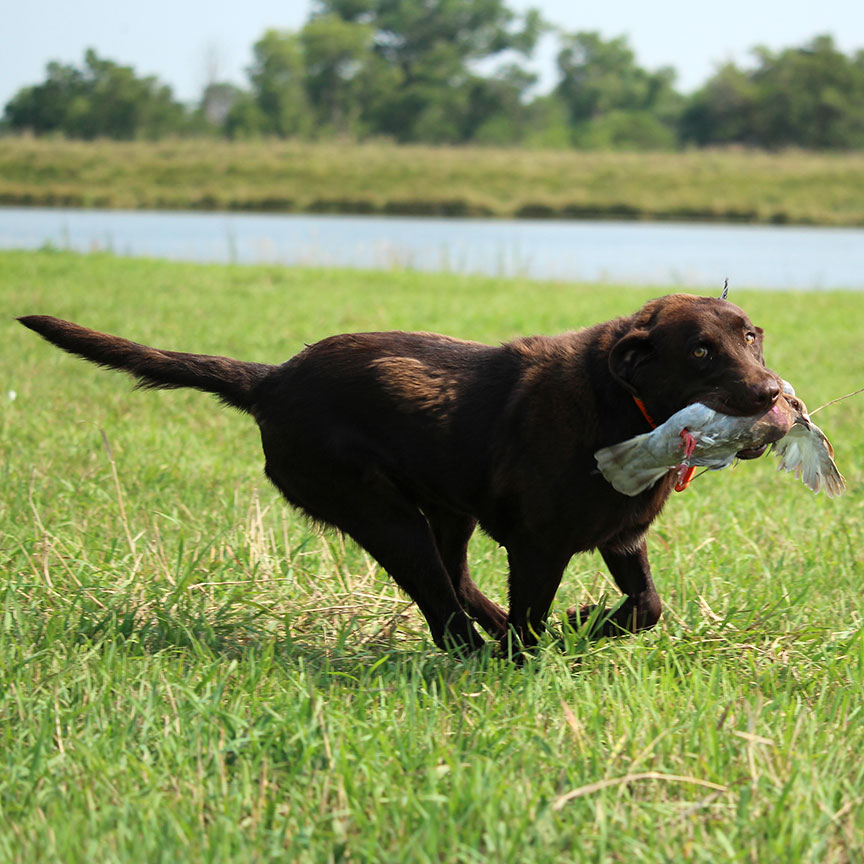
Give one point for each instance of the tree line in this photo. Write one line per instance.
(416, 71)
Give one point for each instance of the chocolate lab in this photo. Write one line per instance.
(406, 441)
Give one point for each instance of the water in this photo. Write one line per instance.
(666, 253)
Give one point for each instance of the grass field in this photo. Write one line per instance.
(190, 672)
(738, 186)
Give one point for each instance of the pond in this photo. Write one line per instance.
(683, 255)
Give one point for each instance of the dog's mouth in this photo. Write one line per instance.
(723, 405)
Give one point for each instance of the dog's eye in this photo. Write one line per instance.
(749, 338)
(700, 351)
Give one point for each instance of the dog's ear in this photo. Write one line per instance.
(627, 354)
(760, 338)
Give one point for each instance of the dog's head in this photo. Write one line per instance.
(682, 349)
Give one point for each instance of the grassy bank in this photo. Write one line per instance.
(190, 672)
(792, 187)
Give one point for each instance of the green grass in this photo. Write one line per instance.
(738, 186)
(190, 672)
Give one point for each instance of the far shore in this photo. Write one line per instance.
(733, 186)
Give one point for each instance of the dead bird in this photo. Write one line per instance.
(699, 435)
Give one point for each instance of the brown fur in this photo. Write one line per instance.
(406, 441)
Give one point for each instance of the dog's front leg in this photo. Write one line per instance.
(535, 575)
(641, 607)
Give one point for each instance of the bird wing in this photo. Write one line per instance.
(808, 454)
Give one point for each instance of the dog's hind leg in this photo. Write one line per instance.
(401, 541)
(452, 532)
(366, 505)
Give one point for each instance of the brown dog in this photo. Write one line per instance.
(406, 441)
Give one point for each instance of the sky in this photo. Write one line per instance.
(186, 43)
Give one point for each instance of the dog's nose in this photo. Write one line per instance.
(766, 393)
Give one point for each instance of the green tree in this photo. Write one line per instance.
(245, 119)
(430, 46)
(45, 107)
(612, 101)
(101, 99)
(498, 112)
(337, 54)
(722, 110)
(811, 96)
(279, 105)
(548, 123)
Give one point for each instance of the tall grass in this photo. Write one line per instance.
(190, 672)
(790, 187)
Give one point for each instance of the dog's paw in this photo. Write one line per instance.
(598, 620)
(461, 644)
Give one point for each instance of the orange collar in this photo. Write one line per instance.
(685, 472)
(641, 406)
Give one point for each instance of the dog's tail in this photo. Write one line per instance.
(234, 381)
